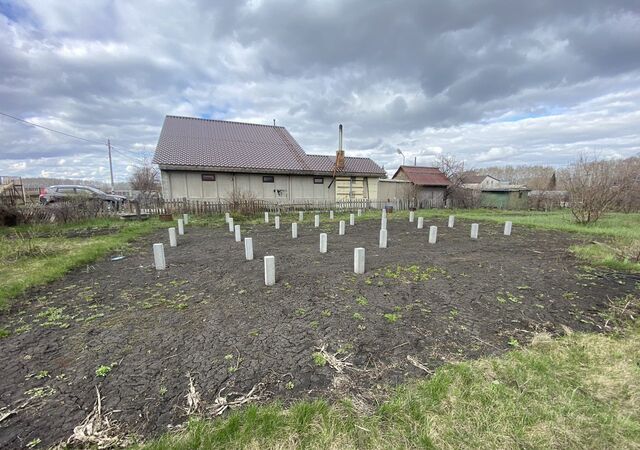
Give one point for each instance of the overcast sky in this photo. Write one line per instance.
(491, 82)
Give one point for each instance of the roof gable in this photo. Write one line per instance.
(424, 176)
(186, 141)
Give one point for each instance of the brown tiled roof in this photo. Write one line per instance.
(352, 164)
(424, 176)
(237, 146)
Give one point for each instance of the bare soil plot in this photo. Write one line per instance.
(178, 341)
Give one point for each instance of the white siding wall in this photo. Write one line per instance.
(178, 184)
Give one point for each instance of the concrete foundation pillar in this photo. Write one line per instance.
(158, 257)
(359, 212)
(412, 216)
(316, 220)
(266, 217)
(300, 216)
(474, 231)
(341, 228)
(269, 270)
(352, 219)
(507, 228)
(358, 260)
(331, 215)
(383, 239)
(173, 240)
(231, 224)
(180, 227)
(433, 234)
(226, 217)
(277, 222)
(452, 221)
(420, 222)
(185, 217)
(237, 233)
(323, 242)
(294, 230)
(383, 223)
(248, 248)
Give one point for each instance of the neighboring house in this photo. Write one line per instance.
(473, 181)
(427, 185)
(213, 159)
(505, 197)
(494, 193)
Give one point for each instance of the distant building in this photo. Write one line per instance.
(426, 185)
(505, 197)
(213, 159)
(474, 181)
(494, 193)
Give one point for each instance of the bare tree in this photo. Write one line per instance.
(145, 178)
(595, 186)
(453, 169)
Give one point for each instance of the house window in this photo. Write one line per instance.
(208, 177)
(318, 180)
(267, 179)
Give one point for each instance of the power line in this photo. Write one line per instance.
(120, 151)
(51, 129)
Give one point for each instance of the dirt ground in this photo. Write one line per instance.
(209, 321)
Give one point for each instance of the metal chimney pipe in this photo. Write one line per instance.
(340, 137)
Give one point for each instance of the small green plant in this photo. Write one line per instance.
(319, 359)
(357, 316)
(570, 295)
(162, 390)
(4, 333)
(343, 349)
(103, 371)
(23, 328)
(513, 342)
(453, 314)
(42, 374)
(301, 311)
(53, 317)
(503, 297)
(392, 318)
(289, 385)
(314, 324)
(228, 357)
(362, 300)
(40, 392)
(368, 281)
(326, 313)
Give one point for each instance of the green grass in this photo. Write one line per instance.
(27, 258)
(612, 225)
(579, 391)
(617, 231)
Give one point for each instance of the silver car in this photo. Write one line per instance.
(69, 191)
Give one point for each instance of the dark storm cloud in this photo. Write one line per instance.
(486, 80)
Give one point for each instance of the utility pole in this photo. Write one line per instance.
(110, 164)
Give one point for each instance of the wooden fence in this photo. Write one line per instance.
(156, 206)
